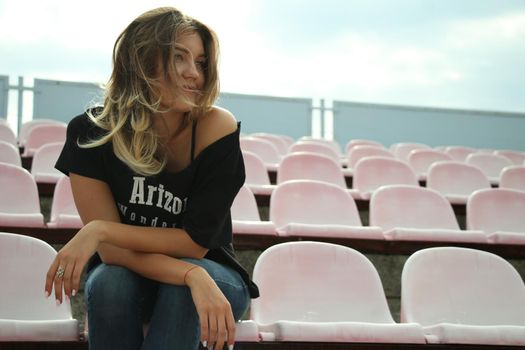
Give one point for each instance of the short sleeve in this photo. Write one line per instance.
(219, 176)
(79, 160)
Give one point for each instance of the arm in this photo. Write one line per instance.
(96, 207)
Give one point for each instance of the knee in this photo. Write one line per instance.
(112, 287)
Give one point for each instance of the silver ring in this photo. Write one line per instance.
(60, 272)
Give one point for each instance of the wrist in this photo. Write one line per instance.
(99, 230)
(193, 275)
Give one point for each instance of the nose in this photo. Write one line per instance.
(190, 70)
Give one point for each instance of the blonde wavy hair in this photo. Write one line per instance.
(130, 100)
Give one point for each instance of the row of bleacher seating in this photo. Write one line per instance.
(313, 292)
(312, 208)
(308, 208)
(455, 180)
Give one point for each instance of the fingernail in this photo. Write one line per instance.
(73, 293)
(205, 344)
(58, 302)
(230, 347)
(47, 294)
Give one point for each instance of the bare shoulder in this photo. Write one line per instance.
(214, 125)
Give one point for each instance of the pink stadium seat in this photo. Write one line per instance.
(310, 166)
(278, 141)
(321, 292)
(25, 314)
(417, 214)
(264, 149)
(43, 165)
(371, 173)
(362, 142)
(7, 134)
(463, 296)
(27, 126)
(456, 180)
(288, 140)
(257, 177)
(40, 135)
(513, 177)
(360, 151)
(64, 213)
(490, 164)
(516, 157)
(331, 143)
(19, 202)
(499, 213)
(313, 208)
(459, 153)
(401, 150)
(421, 159)
(9, 154)
(245, 215)
(316, 147)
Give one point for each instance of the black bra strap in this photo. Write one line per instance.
(193, 128)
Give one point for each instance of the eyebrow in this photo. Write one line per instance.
(185, 50)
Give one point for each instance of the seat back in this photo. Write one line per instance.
(401, 150)
(362, 142)
(496, 209)
(356, 153)
(40, 135)
(456, 178)
(29, 125)
(19, 191)
(490, 164)
(330, 143)
(317, 282)
(411, 207)
(513, 177)
(263, 148)
(516, 157)
(9, 154)
(459, 153)
(244, 206)
(256, 173)
(25, 261)
(310, 166)
(44, 159)
(370, 173)
(463, 286)
(277, 141)
(315, 147)
(312, 202)
(421, 159)
(63, 202)
(7, 134)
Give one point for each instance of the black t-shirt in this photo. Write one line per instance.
(196, 199)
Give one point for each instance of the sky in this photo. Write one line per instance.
(467, 54)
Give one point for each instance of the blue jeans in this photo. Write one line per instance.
(119, 301)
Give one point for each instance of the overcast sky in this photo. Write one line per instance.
(441, 53)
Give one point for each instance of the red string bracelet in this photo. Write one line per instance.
(186, 273)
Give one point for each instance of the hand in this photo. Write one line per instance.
(65, 271)
(215, 313)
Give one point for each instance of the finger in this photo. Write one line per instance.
(77, 273)
(203, 319)
(212, 321)
(230, 324)
(67, 278)
(59, 282)
(50, 277)
(221, 332)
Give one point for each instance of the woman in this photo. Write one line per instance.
(154, 173)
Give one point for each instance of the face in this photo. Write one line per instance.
(190, 61)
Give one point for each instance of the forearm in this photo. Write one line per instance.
(167, 241)
(158, 267)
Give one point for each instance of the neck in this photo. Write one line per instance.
(169, 124)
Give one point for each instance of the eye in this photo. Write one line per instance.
(178, 58)
(201, 65)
